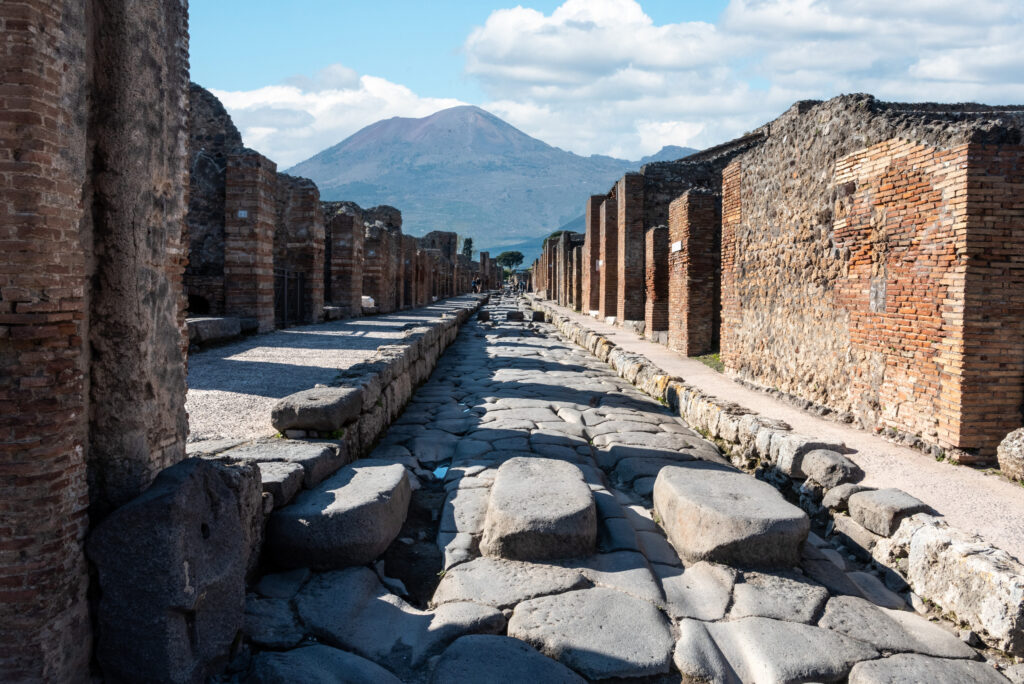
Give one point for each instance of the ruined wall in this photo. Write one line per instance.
(631, 263)
(409, 276)
(656, 281)
(846, 240)
(444, 242)
(694, 272)
(576, 260)
(249, 226)
(608, 270)
(299, 248)
(212, 137)
(92, 202)
(592, 255)
(344, 234)
(379, 267)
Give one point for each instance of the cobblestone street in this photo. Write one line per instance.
(537, 548)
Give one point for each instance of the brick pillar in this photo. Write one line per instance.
(656, 305)
(299, 240)
(631, 264)
(346, 234)
(591, 255)
(609, 266)
(732, 217)
(408, 271)
(578, 260)
(249, 218)
(695, 262)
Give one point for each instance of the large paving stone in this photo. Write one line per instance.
(271, 623)
(486, 659)
(431, 447)
(894, 631)
(349, 519)
(599, 633)
(701, 591)
(317, 664)
(539, 509)
(763, 651)
(171, 564)
(351, 609)
(781, 596)
(318, 459)
(728, 517)
(913, 669)
(504, 583)
(625, 571)
(882, 510)
(323, 409)
(464, 509)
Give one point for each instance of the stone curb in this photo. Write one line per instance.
(386, 381)
(964, 575)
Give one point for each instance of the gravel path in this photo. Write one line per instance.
(232, 388)
(973, 500)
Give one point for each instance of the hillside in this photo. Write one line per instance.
(466, 170)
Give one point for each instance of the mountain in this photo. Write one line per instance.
(464, 169)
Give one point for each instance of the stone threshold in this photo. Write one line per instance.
(967, 578)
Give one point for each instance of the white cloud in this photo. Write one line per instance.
(292, 122)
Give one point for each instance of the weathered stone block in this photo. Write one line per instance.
(1011, 455)
(171, 570)
(882, 510)
(323, 409)
(206, 330)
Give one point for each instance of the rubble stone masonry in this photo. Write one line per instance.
(879, 276)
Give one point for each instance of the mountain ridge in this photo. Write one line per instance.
(467, 170)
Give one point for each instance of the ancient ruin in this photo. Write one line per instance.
(476, 486)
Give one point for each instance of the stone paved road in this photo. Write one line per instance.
(554, 566)
(233, 387)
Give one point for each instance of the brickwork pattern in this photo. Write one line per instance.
(694, 273)
(608, 281)
(344, 236)
(592, 254)
(630, 261)
(299, 241)
(249, 225)
(657, 299)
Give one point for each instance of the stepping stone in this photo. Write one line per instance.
(599, 633)
(271, 623)
(323, 409)
(781, 596)
(504, 583)
(539, 509)
(882, 510)
(349, 519)
(701, 591)
(763, 650)
(888, 630)
(913, 668)
(281, 480)
(486, 659)
(317, 664)
(728, 517)
(318, 459)
(351, 609)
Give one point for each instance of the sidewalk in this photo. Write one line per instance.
(975, 501)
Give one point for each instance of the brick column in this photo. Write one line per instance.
(656, 306)
(346, 235)
(609, 267)
(591, 300)
(631, 263)
(299, 240)
(694, 276)
(732, 217)
(249, 218)
(577, 261)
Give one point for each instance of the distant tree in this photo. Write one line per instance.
(509, 259)
(467, 248)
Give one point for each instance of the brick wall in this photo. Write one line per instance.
(249, 225)
(694, 272)
(576, 261)
(631, 263)
(608, 270)
(343, 254)
(379, 267)
(591, 255)
(299, 243)
(409, 247)
(656, 277)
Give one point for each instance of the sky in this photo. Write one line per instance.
(616, 77)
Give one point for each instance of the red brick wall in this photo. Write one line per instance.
(345, 235)
(249, 224)
(44, 625)
(609, 268)
(694, 272)
(631, 263)
(577, 260)
(591, 299)
(732, 214)
(656, 255)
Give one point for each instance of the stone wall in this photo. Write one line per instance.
(344, 234)
(694, 272)
(848, 283)
(93, 384)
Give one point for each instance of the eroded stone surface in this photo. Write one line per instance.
(486, 659)
(504, 583)
(913, 668)
(317, 664)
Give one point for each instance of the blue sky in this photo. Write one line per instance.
(619, 77)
